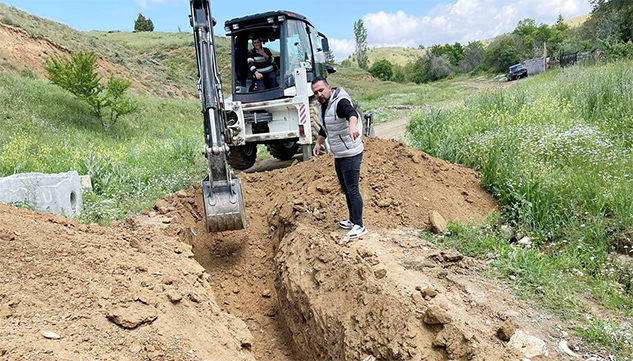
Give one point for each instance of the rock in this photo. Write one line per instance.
(131, 315)
(528, 345)
(427, 291)
(162, 206)
(438, 223)
(50, 335)
(174, 295)
(182, 193)
(509, 233)
(381, 273)
(506, 331)
(386, 202)
(266, 293)
(435, 315)
(566, 349)
(526, 241)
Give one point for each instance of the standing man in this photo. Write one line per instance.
(261, 63)
(339, 122)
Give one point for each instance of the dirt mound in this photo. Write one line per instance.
(300, 289)
(70, 290)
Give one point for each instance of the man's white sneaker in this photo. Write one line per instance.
(346, 224)
(357, 231)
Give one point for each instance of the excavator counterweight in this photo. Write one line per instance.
(222, 190)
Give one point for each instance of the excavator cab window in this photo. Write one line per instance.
(244, 80)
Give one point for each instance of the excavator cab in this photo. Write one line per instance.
(294, 43)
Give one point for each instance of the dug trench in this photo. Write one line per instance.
(308, 293)
(290, 287)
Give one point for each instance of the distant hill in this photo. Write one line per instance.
(157, 63)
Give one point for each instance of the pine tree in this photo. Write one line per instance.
(143, 24)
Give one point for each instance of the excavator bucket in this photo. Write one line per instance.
(224, 206)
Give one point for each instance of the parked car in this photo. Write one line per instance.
(516, 72)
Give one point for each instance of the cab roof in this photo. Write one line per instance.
(256, 18)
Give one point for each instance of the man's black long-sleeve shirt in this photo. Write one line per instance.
(344, 109)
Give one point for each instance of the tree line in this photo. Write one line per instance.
(609, 29)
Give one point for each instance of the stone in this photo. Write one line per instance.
(509, 233)
(427, 291)
(266, 293)
(563, 346)
(182, 193)
(526, 241)
(435, 315)
(174, 295)
(528, 345)
(438, 223)
(506, 330)
(381, 273)
(131, 315)
(162, 206)
(50, 335)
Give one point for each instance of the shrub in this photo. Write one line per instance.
(439, 68)
(382, 69)
(143, 24)
(78, 75)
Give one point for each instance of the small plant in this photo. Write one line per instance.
(79, 76)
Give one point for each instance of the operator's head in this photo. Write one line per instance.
(257, 44)
(321, 89)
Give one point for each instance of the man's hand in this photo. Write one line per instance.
(259, 75)
(316, 150)
(353, 129)
(262, 53)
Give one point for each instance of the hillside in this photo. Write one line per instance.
(158, 64)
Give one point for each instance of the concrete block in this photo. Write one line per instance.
(57, 193)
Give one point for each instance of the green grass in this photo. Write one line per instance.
(163, 63)
(556, 151)
(375, 96)
(145, 156)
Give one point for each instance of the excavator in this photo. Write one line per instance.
(222, 190)
(284, 117)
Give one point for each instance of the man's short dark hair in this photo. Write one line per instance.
(318, 79)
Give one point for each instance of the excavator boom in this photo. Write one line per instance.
(222, 190)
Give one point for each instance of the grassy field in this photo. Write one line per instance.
(556, 151)
(377, 96)
(143, 157)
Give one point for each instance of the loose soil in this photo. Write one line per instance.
(290, 287)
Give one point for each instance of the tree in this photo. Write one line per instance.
(360, 34)
(143, 24)
(78, 75)
(382, 69)
(503, 52)
(439, 67)
(475, 54)
(330, 58)
(620, 11)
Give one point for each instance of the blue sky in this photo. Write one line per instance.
(388, 22)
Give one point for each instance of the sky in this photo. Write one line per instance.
(405, 23)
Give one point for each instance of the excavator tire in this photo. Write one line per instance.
(283, 150)
(242, 157)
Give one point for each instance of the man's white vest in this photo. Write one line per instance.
(337, 129)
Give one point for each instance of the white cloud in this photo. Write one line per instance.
(342, 48)
(464, 21)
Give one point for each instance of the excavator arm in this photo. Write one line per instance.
(222, 190)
